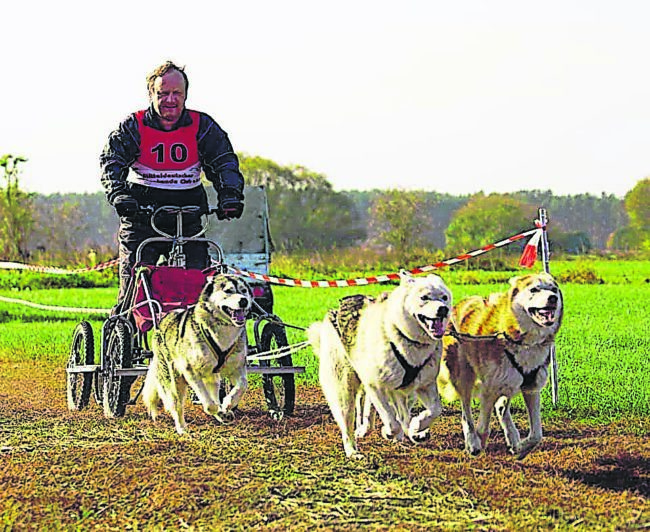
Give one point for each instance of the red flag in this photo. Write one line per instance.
(529, 255)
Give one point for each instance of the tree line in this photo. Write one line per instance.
(306, 213)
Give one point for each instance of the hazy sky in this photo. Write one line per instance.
(457, 97)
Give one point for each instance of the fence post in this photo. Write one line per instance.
(546, 259)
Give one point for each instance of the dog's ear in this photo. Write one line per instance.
(547, 277)
(217, 280)
(515, 283)
(243, 282)
(208, 287)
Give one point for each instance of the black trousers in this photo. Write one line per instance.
(136, 229)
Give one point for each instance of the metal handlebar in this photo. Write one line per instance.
(178, 211)
(176, 256)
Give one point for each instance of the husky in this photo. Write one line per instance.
(389, 349)
(196, 347)
(500, 346)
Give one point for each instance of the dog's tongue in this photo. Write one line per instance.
(436, 326)
(547, 313)
(239, 315)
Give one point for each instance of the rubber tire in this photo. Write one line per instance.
(98, 388)
(282, 403)
(82, 353)
(98, 381)
(117, 390)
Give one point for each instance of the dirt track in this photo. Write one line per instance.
(63, 470)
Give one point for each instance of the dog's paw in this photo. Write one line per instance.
(393, 435)
(473, 451)
(473, 445)
(181, 430)
(419, 437)
(211, 409)
(525, 447)
(276, 414)
(351, 451)
(361, 431)
(225, 418)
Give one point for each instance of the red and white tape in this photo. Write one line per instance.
(51, 269)
(331, 283)
(339, 283)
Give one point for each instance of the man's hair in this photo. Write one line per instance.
(161, 71)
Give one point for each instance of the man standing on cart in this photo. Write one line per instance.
(155, 157)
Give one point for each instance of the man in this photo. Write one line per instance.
(154, 158)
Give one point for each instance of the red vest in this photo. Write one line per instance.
(168, 159)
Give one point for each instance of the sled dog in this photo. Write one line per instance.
(499, 347)
(198, 346)
(389, 349)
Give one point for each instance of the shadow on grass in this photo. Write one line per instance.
(617, 473)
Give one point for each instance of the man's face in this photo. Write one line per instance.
(168, 97)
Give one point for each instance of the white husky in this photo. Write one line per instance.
(388, 348)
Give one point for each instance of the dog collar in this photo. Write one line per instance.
(410, 340)
(529, 376)
(410, 372)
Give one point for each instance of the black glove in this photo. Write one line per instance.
(229, 209)
(125, 205)
(231, 204)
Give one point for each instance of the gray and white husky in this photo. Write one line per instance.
(197, 346)
(389, 349)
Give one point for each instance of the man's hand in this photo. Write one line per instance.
(229, 209)
(125, 205)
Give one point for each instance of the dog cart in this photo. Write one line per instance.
(124, 350)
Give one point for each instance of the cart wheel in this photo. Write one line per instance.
(279, 390)
(98, 388)
(116, 390)
(98, 381)
(82, 353)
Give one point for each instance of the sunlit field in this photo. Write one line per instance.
(601, 349)
(78, 470)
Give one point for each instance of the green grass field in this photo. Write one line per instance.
(65, 470)
(602, 347)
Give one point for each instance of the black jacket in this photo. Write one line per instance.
(218, 160)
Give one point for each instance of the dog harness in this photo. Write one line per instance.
(221, 355)
(410, 372)
(529, 376)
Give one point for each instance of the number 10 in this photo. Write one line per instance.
(177, 152)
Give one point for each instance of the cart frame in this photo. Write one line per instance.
(124, 352)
